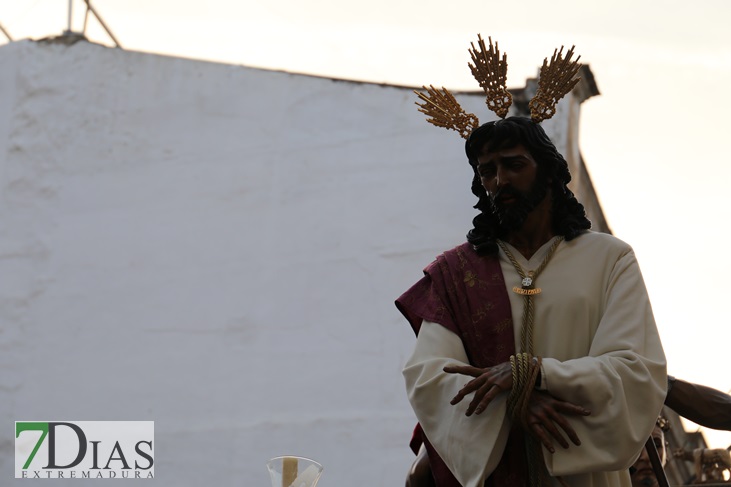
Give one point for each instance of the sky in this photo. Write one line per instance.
(653, 141)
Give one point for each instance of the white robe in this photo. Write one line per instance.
(595, 331)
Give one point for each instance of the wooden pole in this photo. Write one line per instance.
(662, 480)
(2, 29)
(104, 26)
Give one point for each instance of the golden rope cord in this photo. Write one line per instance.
(525, 371)
(526, 331)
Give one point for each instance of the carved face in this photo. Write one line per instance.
(513, 182)
(642, 473)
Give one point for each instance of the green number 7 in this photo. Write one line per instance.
(42, 427)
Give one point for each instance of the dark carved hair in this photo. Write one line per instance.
(569, 217)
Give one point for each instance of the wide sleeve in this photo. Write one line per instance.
(470, 446)
(622, 381)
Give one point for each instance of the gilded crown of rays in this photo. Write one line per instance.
(557, 78)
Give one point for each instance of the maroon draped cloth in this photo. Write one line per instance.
(465, 293)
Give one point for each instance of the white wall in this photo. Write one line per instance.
(217, 249)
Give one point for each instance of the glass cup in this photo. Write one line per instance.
(291, 471)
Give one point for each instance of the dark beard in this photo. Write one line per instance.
(513, 215)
